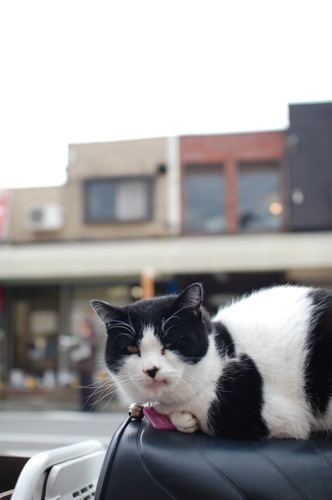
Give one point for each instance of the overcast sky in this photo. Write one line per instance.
(76, 71)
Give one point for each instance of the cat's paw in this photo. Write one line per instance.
(184, 421)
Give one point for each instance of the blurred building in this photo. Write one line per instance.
(235, 212)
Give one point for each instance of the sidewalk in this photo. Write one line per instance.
(40, 399)
(57, 399)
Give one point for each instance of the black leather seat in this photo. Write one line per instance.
(143, 463)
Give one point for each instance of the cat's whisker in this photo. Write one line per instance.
(198, 387)
(108, 396)
(128, 335)
(124, 326)
(168, 329)
(165, 321)
(106, 391)
(131, 324)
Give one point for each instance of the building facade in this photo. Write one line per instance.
(135, 218)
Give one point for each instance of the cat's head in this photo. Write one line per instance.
(154, 344)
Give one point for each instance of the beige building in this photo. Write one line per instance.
(132, 173)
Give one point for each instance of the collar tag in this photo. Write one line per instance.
(157, 420)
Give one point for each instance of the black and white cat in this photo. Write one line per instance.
(262, 367)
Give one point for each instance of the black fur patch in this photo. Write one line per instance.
(236, 413)
(224, 341)
(318, 371)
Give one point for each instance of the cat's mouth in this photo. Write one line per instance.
(157, 384)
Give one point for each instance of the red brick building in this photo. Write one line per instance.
(231, 160)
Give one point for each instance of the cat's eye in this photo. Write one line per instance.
(133, 349)
(166, 346)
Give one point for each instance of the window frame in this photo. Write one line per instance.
(273, 165)
(230, 170)
(148, 181)
(202, 165)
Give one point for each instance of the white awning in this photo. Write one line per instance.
(180, 255)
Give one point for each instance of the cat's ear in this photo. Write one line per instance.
(190, 298)
(106, 312)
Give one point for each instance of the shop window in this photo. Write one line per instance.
(36, 326)
(258, 197)
(118, 199)
(204, 210)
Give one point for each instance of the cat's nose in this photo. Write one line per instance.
(152, 372)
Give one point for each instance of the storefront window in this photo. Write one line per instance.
(36, 323)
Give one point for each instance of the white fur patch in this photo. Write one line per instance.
(269, 327)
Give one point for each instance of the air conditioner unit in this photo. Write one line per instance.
(46, 217)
